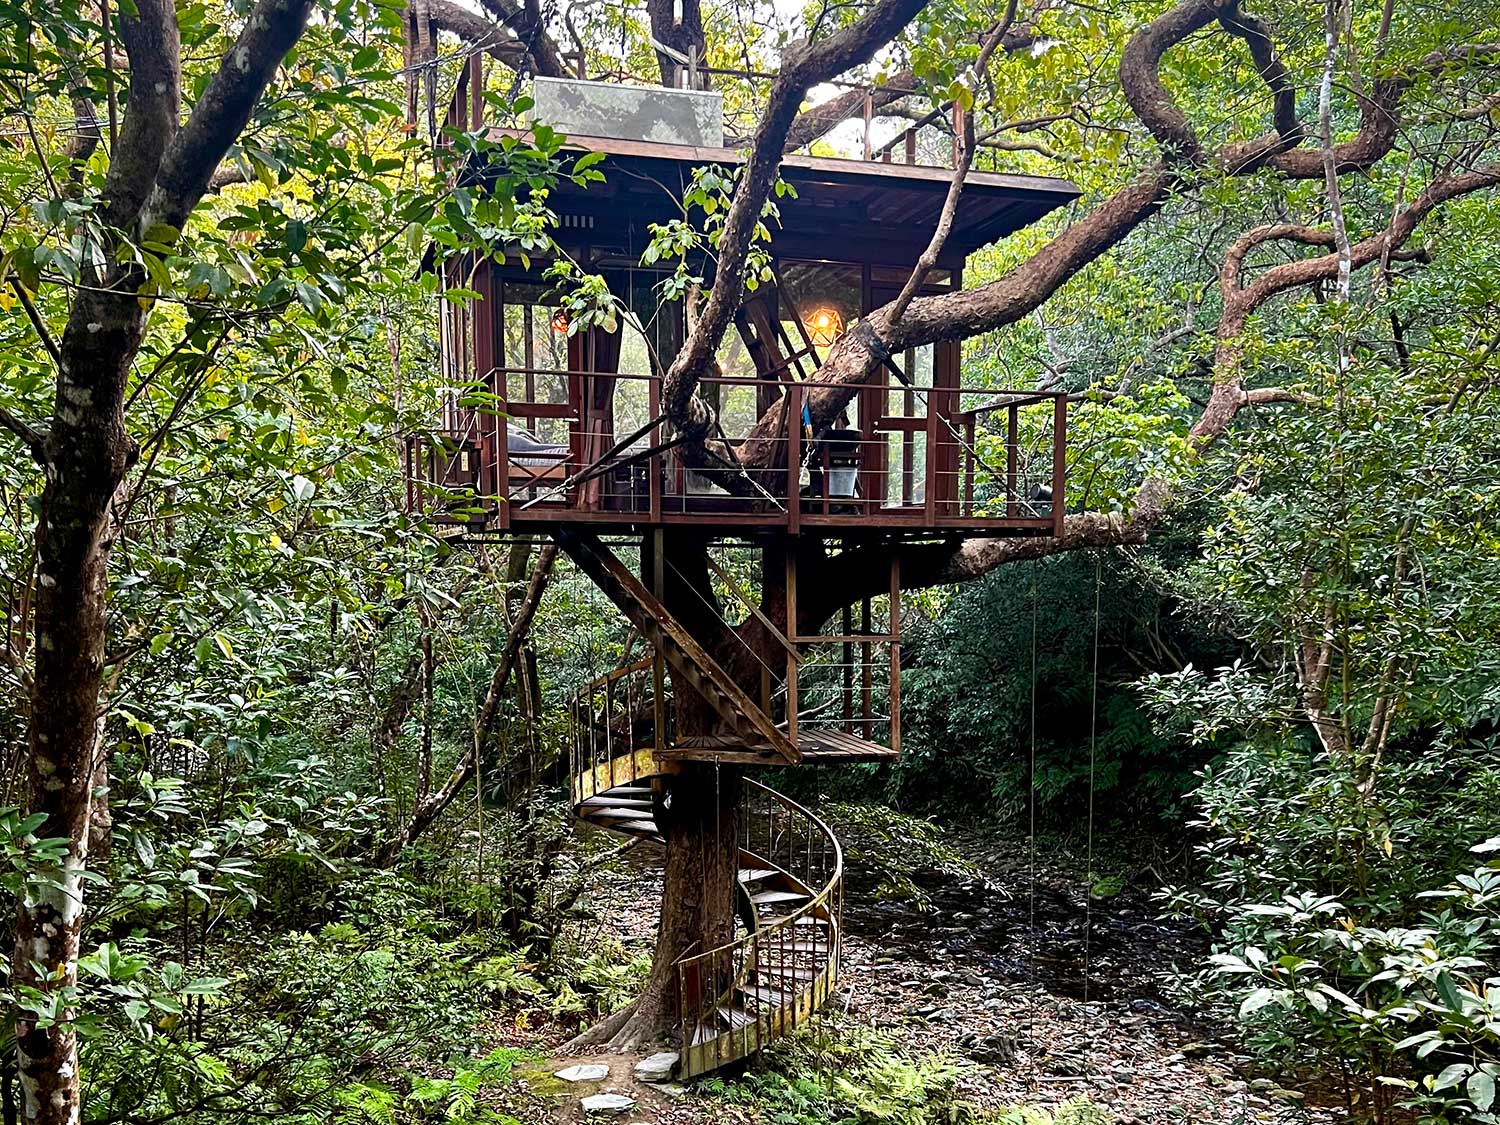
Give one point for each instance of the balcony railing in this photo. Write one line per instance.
(913, 457)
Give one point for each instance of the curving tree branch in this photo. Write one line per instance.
(806, 64)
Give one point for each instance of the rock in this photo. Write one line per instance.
(607, 1103)
(589, 1072)
(1288, 1095)
(657, 1068)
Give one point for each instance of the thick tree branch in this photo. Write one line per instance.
(677, 25)
(1140, 77)
(34, 439)
(222, 112)
(929, 256)
(527, 22)
(812, 123)
(806, 64)
(155, 99)
(1096, 529)
(481, 34)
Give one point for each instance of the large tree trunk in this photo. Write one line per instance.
(697, 812)
(89, 453)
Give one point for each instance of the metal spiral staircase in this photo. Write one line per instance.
(783, 962)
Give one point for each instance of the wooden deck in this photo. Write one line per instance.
(816, 746)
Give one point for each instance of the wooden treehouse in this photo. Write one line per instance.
(571, 443)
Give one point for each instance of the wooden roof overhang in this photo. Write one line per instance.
(845, 210)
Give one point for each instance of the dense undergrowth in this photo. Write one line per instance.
(845, 1075)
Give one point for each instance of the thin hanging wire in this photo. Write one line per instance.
(1031, 810)
(1088, 890)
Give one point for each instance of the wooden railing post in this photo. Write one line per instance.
(1012, 505)
(794, 465)
(1059, 459)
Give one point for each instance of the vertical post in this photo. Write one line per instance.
(1012, 508)
(895, 627)
(847, 628)
(929, 472)
(1059, 459)
(609, 729)
(793, 467)
(969, 447)
(958, 132)
(658, 668)
(653, 464)
(476, 91)
(866, 659)
(869, 119)
(911, 145)
(791, 631)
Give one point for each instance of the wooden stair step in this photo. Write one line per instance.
(735, 1017)
(785, 972)
(766, 995)
(616, 803)
(641, 827)
(755, 874)
(774, 947)
(809, 920)
(766, 897)
(597, 813)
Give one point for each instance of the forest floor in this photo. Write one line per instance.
(992, 974)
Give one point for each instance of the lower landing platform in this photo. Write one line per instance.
(817, 746)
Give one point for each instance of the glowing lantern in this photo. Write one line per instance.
(824, 326)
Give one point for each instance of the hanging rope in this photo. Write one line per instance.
(1088, 890)
(1031, 810)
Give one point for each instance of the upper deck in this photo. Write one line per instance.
(547, 424)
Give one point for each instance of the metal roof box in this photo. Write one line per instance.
(641, 113)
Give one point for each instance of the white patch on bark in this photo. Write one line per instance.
(242, 59)
(46, 580)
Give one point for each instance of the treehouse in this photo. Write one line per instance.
(558, 430)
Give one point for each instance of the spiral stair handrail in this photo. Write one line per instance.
(783, 962)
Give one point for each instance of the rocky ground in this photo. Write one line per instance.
(994, 974)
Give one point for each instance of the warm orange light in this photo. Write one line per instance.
(560, 322)
(824, 326)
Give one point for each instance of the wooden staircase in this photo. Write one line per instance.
(783, 963)
(691, 665)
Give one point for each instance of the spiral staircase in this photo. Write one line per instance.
(783, 962)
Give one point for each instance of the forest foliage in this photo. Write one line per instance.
(1301, 670)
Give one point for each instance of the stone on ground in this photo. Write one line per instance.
(607, 1103)
(657, 1068)
(587, 1072)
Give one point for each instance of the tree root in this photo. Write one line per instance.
(644, 1022)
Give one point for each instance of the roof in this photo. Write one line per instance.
(873, 203)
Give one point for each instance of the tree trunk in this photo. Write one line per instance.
(89, 453)
(697, 811)
(698, 814)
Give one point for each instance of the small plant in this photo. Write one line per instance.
(456, 1100)
(832, 1074)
